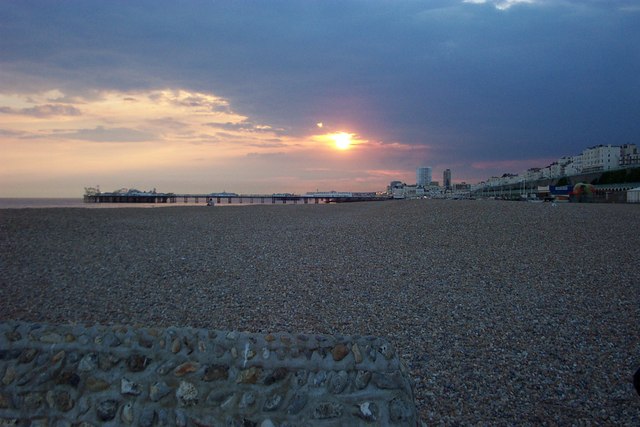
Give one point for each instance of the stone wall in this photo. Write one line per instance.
(64, 375)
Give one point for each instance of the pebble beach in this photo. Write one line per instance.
(503, 312)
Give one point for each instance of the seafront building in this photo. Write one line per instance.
(408, 192)
(629, 155)
(572, 167)
(599, 158)
(425, 187)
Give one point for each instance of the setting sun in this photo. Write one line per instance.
(342, 140)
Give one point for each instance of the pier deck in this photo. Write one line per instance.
(218, 198)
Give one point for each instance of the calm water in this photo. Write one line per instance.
(19, 203)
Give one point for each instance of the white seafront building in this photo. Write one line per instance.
(573, 167)
(599, 158)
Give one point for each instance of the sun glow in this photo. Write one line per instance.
(342, 140)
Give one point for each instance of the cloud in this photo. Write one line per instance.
(102, 134)
(268, 143)
(630, 8)
(245, 126)
(168, 123)
(11, 133)
(511, 166)
(194, 101)
(266, 155)
(389, 174)
(501, 4)
(161, 114)
(40, 111)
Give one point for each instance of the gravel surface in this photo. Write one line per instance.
(504, 312)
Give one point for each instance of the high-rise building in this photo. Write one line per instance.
(423, 176)
(446, 179)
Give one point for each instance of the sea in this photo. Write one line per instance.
(21, 203)
(25, 203)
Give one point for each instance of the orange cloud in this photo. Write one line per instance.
(172, 137)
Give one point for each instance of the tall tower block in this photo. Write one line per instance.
(423, 176)
(446, 179)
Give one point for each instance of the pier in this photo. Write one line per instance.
(228, 198)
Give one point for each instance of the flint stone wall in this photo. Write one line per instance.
(72, 375)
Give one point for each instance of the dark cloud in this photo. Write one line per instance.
(269, 143)
(40, 111)
(473, 82)
(103, 134)
(245, 127)
(280, 155)
(169, 122)
(11, 133)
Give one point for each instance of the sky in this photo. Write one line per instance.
(301, 95)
